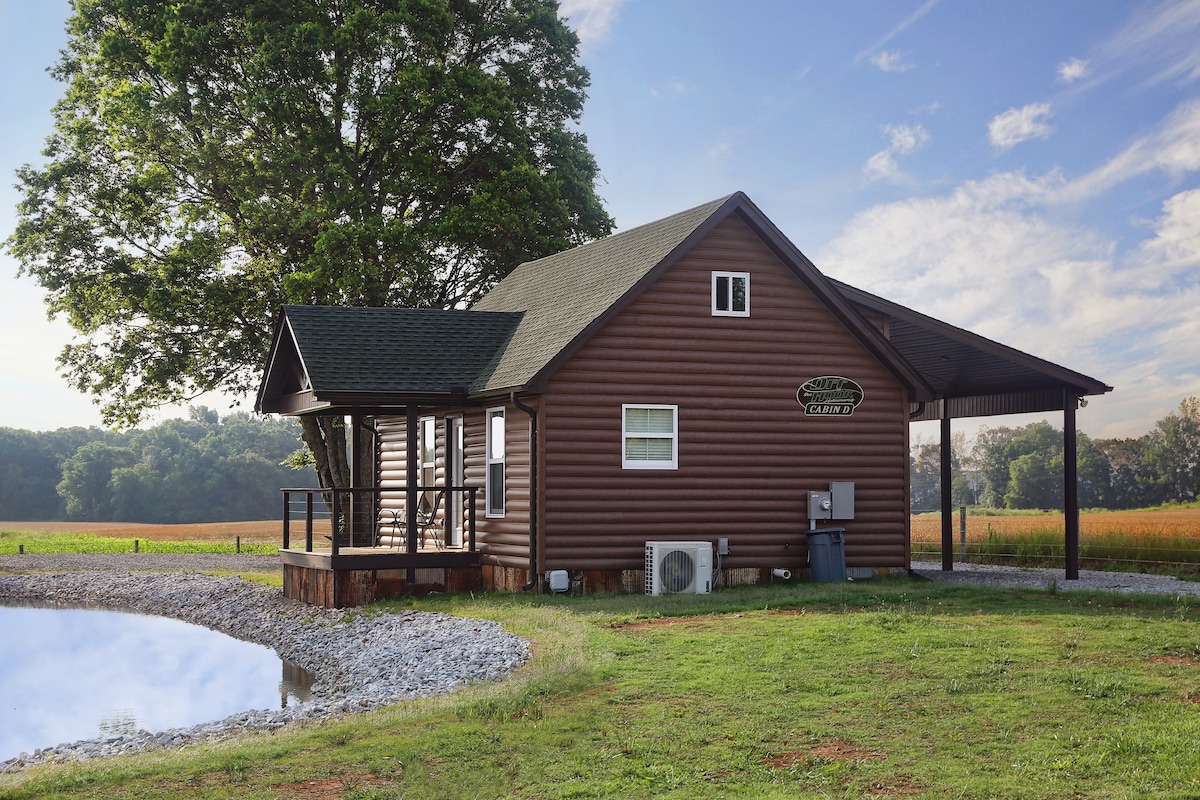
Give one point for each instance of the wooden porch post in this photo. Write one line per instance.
(947, 479)
(356, 503)
(412, 480)
(1070, 485)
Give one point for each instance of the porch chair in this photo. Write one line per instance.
(429, 524)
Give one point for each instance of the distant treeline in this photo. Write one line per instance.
(1023, 467)
(201, 469)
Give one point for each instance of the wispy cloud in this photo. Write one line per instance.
(1073, 70)
(673, 87)
(592, 20)
(1162, 37)
(924, 9)
(1020, 125)
(904, 139)
(893, 61)
(1173, 147)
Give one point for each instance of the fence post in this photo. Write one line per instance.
(135, 545)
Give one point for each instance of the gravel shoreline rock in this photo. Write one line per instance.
(360, 661)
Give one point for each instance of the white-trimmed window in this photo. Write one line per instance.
(650, 437)
(731, 294)
(494, 483)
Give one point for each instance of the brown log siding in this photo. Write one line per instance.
(747, 453)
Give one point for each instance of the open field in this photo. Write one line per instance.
(1164, 540)
(259, 530)
(1182, 522)
(263, 536)
(889, 688)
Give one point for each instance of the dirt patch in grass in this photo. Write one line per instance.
(331, 788)
(263, 530)
(1187, 662)
(706, 621)
(837, 751)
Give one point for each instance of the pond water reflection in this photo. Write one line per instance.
(71, 674)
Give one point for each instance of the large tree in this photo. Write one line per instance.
(214, 159)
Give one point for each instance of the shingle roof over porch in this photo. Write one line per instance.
(328, 357)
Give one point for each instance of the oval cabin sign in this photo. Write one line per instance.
(829, 396)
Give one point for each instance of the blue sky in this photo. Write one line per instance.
(1029, 171)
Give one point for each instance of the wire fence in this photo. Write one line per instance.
(1166, 541)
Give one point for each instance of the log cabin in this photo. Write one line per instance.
(694, 384)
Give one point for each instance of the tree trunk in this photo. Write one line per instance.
(325, 437)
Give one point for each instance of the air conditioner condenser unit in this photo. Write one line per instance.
(678, 567)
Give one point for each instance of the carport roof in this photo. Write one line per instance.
(974, 375)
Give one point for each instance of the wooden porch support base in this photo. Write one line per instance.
(348, 581)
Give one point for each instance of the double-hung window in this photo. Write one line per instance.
(650, 437)
(494, 483)
(731, 294)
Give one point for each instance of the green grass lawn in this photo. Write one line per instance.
(887, 688)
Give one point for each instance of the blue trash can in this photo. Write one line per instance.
(827, 555)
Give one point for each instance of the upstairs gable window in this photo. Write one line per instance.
(731, 294)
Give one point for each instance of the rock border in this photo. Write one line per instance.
(360, 660)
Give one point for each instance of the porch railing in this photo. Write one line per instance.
(353, 515)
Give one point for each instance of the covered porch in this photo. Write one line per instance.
(411, 528)
(378, 551)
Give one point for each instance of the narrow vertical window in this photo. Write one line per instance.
(494, 485)
(428, 443)
(649, 436)
(731, 294)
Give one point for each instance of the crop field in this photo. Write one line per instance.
(260, 536)
(1166, 540)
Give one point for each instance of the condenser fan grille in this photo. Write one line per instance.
(678, 567)
(676, 571)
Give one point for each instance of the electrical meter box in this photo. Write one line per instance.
(837, 503)
(820, 505)
(842, 493)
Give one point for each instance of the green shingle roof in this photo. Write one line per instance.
(515, 337)
(397, 350)
(563, 294)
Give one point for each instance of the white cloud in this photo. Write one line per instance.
(985, 258)
(891, 62)
(905, 139)
(1175, 249)
(1073, 70)
(592, 20)
(1019, 125)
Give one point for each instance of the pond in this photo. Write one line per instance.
(71, 674)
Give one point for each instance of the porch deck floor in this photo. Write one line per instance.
(371, 551)
(375, 558)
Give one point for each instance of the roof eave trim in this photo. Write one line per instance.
(282, 326)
